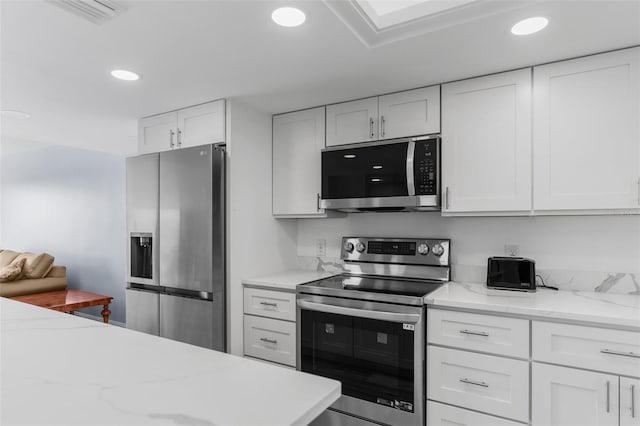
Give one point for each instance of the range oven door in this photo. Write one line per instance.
(400, 174)
(376, 350)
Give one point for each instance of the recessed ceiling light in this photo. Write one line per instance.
(288, 16)
(14, 114)
(125, 75)
(529, 26)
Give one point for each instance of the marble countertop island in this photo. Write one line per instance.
(604, 309)
(61, 369)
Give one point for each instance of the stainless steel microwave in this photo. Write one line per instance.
(394, 175)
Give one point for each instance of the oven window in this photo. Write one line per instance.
(375, 171)
(373, 359)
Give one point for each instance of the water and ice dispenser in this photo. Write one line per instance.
(141, 255)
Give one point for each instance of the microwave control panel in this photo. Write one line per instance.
(426, 167)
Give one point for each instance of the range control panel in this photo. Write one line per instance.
(415, 251)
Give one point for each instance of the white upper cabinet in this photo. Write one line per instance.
(411, 113)
(201, 124)
(486, 144)
(298, 139)
(157, 133)
(198, 125)
(586, 141)
(352, 122)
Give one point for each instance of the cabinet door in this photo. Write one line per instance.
(587, 133)
(486, 143)
(157, 133)
(270, 339)
(411, 113)
(447, 415)
(564, 396)
(298, 138)
(629, 402)
(352, 122)
(201, 124)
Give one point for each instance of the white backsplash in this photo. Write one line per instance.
(574, 253)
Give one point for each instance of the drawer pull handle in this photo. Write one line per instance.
(274, 305)
(610, 352)
(608, 399)
(633, 401)
(475, 333)
(471, 382)
(265, 340)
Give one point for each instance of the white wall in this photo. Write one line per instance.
(257, 244)
(579, 243)
(70, 203)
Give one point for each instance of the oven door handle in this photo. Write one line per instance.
(362, 313)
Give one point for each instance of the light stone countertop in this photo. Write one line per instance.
(609, 310)
(61, 369)
(287, 280)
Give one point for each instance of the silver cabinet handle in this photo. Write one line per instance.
(371, 134)
(608, 399)
(269, 304)
(633, 401)
(382, 126)
(629, 354)
(475, 333)
(317, 201)
(473, 382)
(179, 138)
(446, 198)
(171, 133)
(273, 342)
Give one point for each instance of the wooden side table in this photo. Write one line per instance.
(69, 301)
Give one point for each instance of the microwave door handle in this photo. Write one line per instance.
(362, 313)
(411, 149)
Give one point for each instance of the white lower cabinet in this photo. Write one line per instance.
(487, 383)
(565, 396)
(270, 325)
(269, 339)
(447, 415)
(629, 402)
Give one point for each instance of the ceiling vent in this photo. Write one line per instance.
(96, 11)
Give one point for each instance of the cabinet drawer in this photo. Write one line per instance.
(613, 351)
(446, 415)
(269, 339)
(485, 383)
(487, 333)
(270, 303)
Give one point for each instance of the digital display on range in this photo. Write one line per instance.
(404, 248)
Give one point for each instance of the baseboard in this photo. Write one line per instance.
(96, 318)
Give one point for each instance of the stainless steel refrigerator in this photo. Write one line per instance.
(176, 245)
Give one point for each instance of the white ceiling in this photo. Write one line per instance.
(56, 65)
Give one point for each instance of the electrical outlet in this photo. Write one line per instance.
(512, 249)
(321, 247)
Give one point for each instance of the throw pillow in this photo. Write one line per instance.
(35, 266)
(11, 272)
(7, 256)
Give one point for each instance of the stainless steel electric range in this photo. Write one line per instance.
(366, 328)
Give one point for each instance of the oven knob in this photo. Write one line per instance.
(348, 246)
(437, 249)
(423, 249)
(360, 247)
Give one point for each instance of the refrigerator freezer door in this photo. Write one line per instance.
(142, 208)
(142, 311)
(186, 219)
(187, 320)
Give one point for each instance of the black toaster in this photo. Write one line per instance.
(511, 273)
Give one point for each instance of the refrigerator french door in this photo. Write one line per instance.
(184, 298)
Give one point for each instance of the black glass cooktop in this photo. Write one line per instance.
(371, 288)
